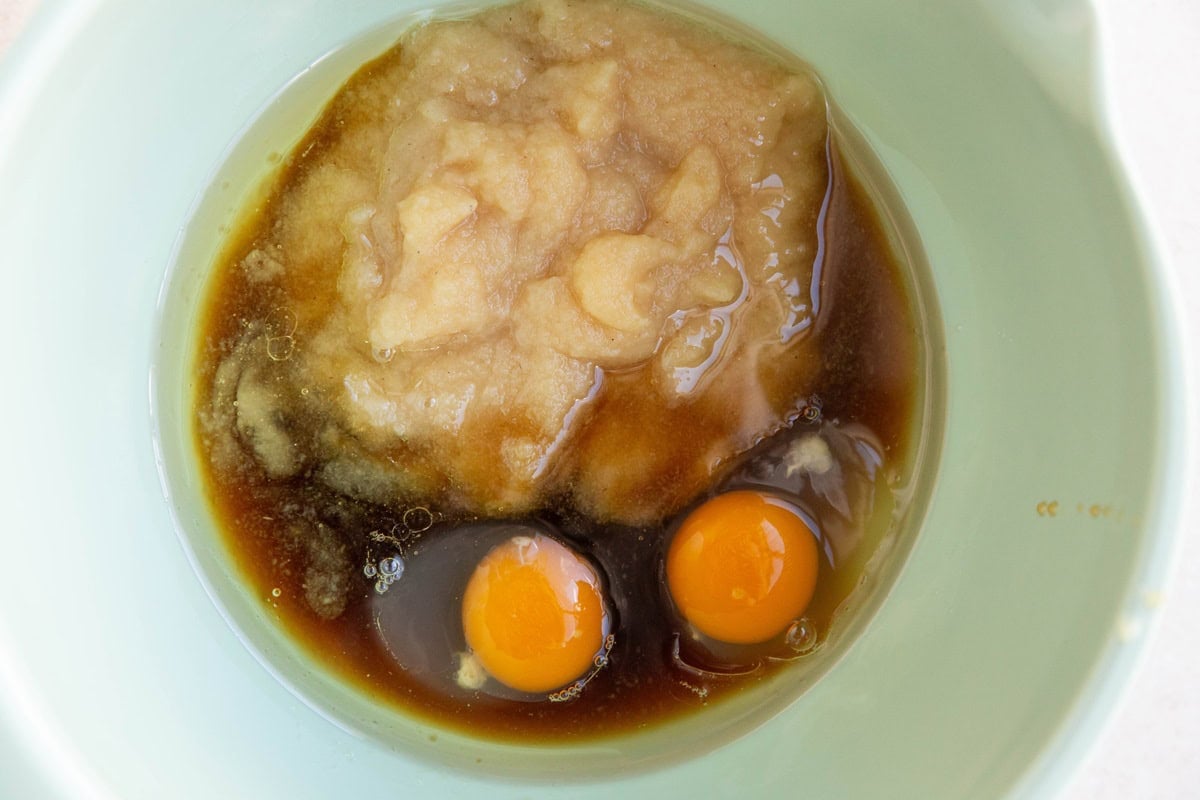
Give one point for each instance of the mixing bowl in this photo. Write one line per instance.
(999, 646)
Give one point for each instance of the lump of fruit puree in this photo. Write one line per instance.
(558, 250)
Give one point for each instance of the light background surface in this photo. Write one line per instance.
(1149, 748)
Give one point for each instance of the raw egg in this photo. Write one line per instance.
(743, 566)
(534, 614)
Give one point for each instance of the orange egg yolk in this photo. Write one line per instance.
(742, 567)
(534, 614)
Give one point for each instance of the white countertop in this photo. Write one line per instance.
(1149, 747)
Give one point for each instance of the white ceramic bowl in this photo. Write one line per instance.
(1000, 646)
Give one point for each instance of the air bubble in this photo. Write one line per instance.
(565, 694)
(280, 348)
(387, 538)
(801, 636)
(382, 585)
(370, 571)
(276, 592)
(281, 323)
(418, 519)
(391, 568)
(384, 354)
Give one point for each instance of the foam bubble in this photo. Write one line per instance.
(801, 636)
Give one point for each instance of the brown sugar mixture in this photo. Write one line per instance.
(545, 279)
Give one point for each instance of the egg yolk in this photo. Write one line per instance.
(742, 567)
(534, 614)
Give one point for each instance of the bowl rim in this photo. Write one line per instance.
(1111, 675)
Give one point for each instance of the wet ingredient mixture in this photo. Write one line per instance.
(564, 379)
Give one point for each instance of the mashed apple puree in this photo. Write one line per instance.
(556, 250)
